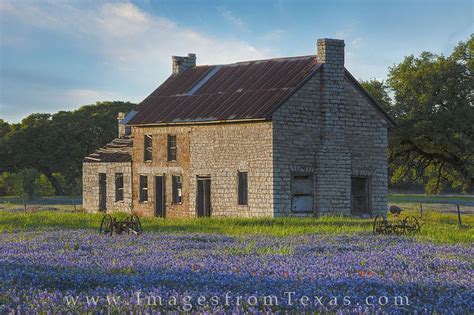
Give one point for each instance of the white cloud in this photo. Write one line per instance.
(129, 36)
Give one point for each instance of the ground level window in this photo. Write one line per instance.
(143, 188)
(118, 186)
(302, 193)
(243, 188)
(360, 192)
(177, 188)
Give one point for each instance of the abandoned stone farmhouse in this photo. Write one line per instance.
(294, 136)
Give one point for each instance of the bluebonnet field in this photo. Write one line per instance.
(43, 270)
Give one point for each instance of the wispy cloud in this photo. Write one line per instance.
(274, 35)
(232, 19)
(357, 42)
(135, 45)
(126, 33)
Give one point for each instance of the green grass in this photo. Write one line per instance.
(437, 227)
(403, 198)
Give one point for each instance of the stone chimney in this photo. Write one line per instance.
(121, 125)
(334, 160)
(182, 63)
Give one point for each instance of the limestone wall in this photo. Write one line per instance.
(215, 150)
(349, 139)
(90, 186)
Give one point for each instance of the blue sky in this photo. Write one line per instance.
(58, 55)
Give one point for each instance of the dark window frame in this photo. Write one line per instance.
(143, 188)
(172, 148)
(177, 189)
(368, 195)
(119, 187)
(148, 148)
(294, 194)
(242, 188)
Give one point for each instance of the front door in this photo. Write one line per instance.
(102, 192)
(160, 196)
(203, 197)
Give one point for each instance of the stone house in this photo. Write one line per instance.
(294, 136)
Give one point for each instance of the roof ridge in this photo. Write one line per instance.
(260, 60)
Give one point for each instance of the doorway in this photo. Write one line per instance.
(203, 197)
(160, 196)
(102, 192)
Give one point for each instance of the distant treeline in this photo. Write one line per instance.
(430, 97)
(42, 155)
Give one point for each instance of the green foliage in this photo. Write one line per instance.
(379, 91)
(433, 143)
(27, 183)
(57, 144)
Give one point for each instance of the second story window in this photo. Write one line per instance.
(148, 148)
(177, 188)
(118, 186)
(143, 188)
(171, 148)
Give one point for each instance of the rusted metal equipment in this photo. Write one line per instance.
(131, 225)
(403, 226)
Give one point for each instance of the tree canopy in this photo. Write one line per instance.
(432, 105)
(58, 143)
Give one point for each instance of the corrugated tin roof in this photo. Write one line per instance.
(119, 150)
(244, 90)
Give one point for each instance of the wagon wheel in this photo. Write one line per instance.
(136, 225)
(411, 224)
(106, 226)
(128, 224)
(380, 225)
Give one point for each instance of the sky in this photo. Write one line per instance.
(59, 55)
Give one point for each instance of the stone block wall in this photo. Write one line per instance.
(215, 150)
(348, 139)
(90, 186)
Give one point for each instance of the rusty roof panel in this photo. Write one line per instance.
(244, 90)
(119, 150)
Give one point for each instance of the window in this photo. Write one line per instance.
(302, 193)
(243, 188)
(148, 148)
(171, 148)
(118, 186)
(177, 188)
(360, 190)
(143, 188)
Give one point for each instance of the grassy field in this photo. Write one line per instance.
(437, 227)
(411, 198)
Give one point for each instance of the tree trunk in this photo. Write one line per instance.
(56, 185)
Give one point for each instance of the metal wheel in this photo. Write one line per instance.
(136, 224)
(411, 225)
(106, 226)
(380, 225)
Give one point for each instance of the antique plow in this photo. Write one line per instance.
(403, 226)
(131, 225)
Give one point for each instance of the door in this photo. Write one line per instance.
(360, 191)
(160, 196)
(203, 197)
(102, 192)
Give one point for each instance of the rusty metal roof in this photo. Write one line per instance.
(243, 90)
(119, 150)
